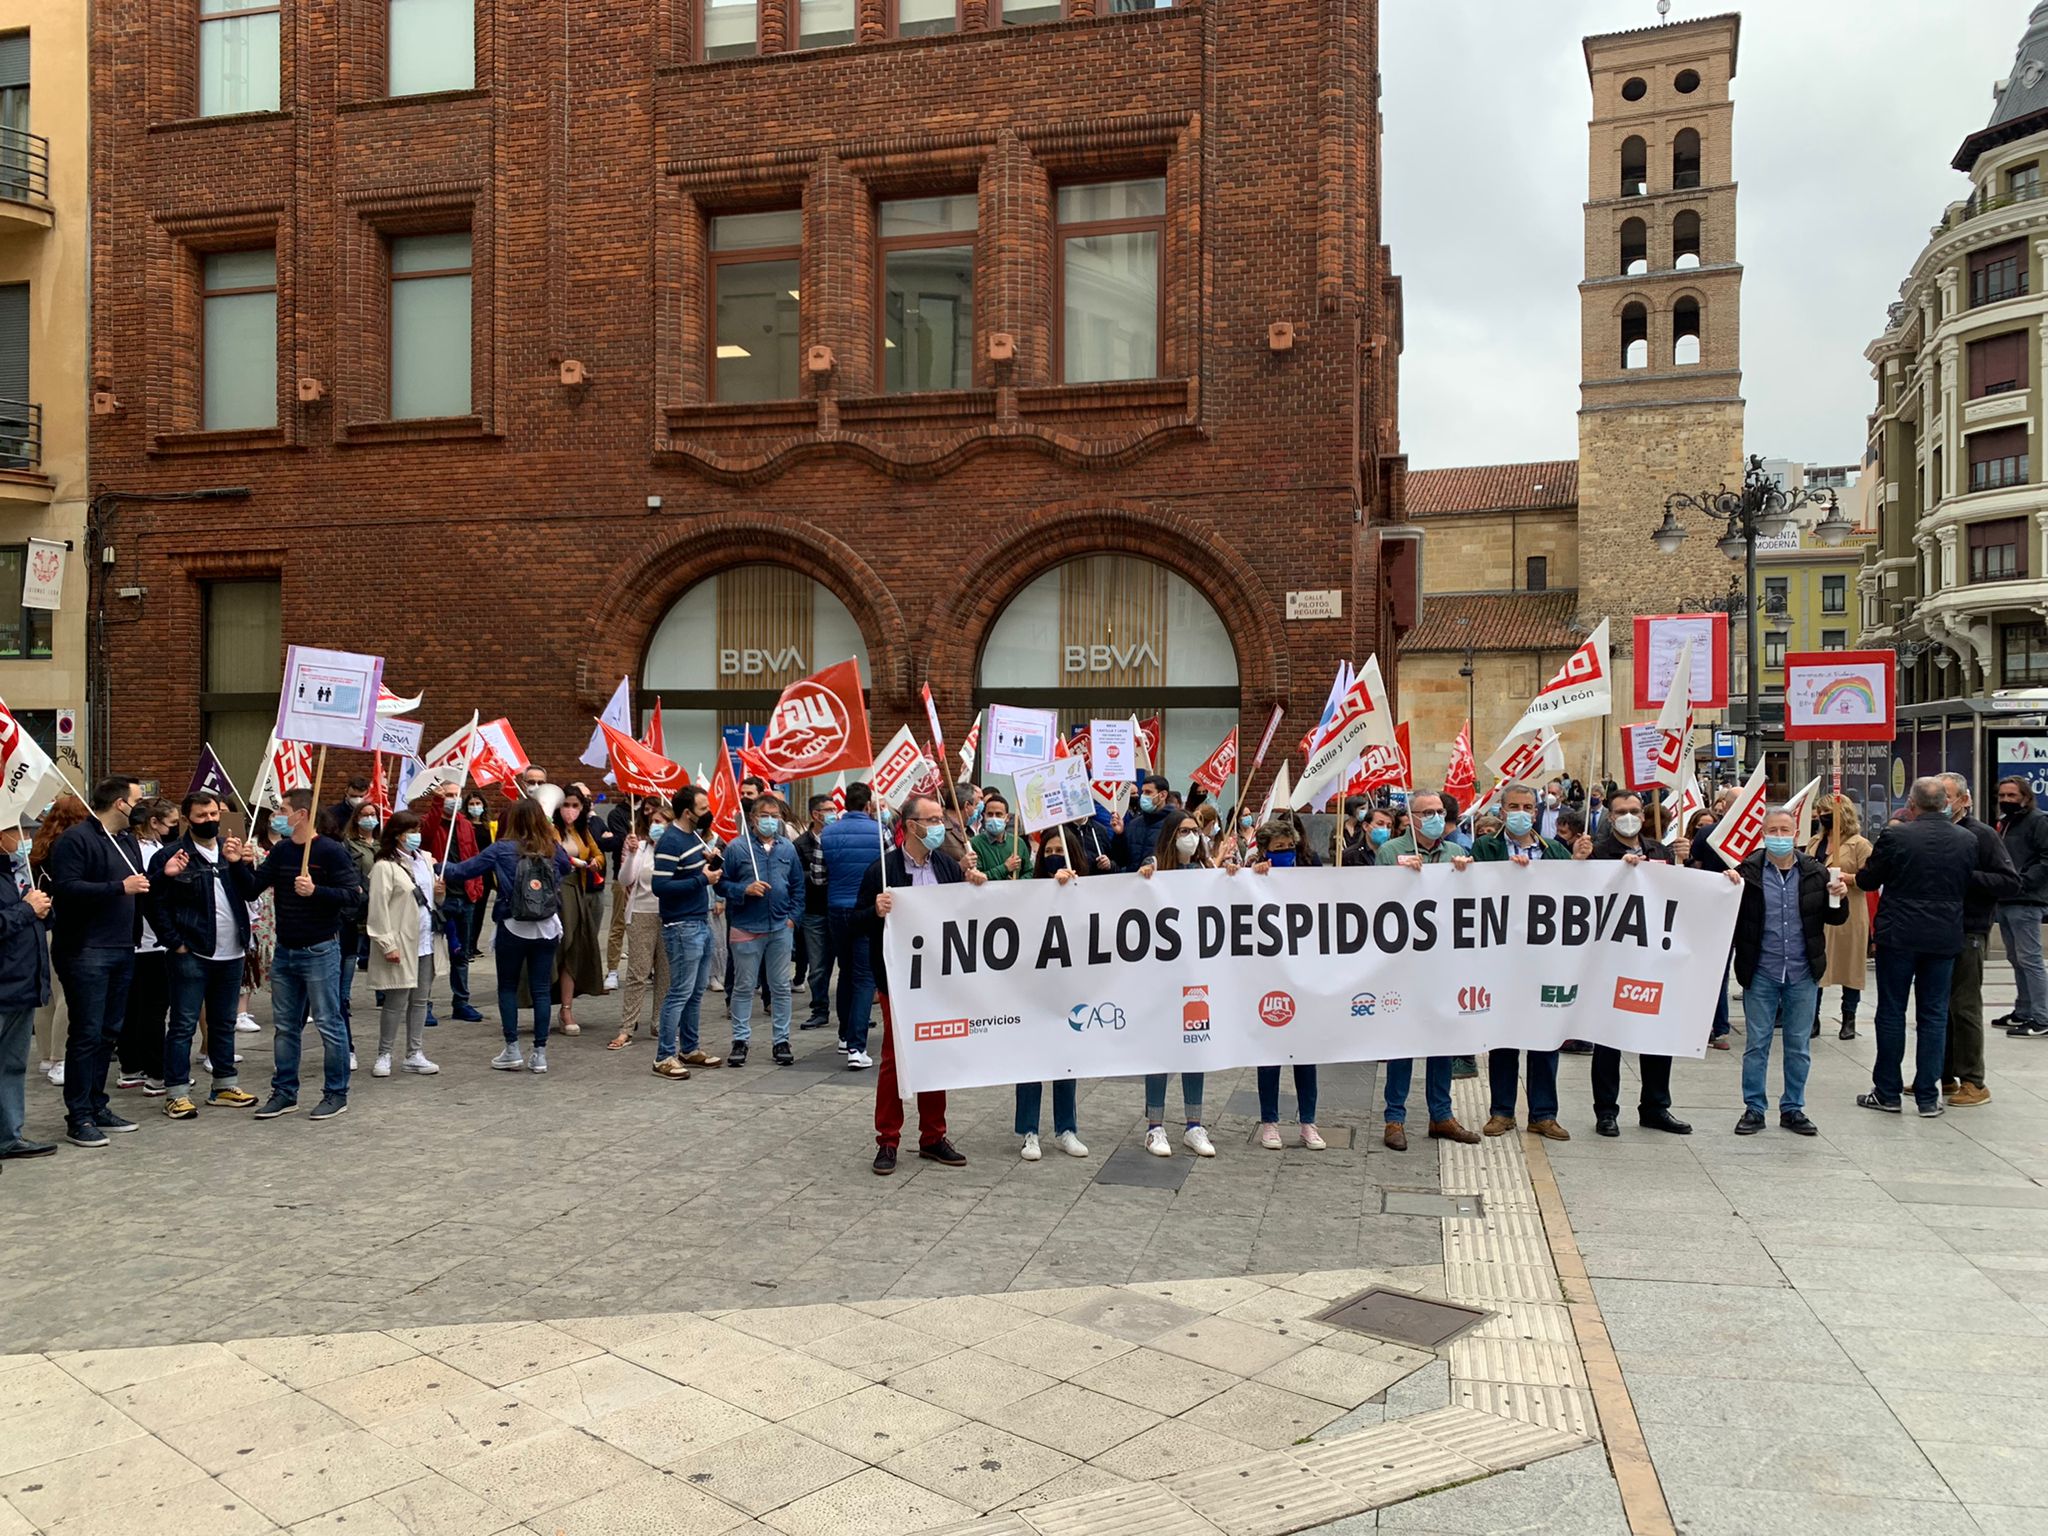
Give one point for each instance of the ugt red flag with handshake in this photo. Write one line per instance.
(820, 725)
(638, 770)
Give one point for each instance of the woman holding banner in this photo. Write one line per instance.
(1279, 841)
(1183, 847)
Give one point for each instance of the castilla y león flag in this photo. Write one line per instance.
(1583, 688)
(820, 725)
(638, 770)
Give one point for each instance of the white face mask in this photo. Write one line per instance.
(1187, 843)
(1628, 824)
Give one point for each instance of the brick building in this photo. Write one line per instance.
(1041, 356)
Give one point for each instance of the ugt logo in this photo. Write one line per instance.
(1086, 1016)
(1560, 997)
(1474, 1000)
(1276, 1009)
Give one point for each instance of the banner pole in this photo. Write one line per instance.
(87, 801)
(248, 814)
(306, 851)
(462, 789)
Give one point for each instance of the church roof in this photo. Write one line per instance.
(1496, 621)
(2022, 104)
(1549, 486)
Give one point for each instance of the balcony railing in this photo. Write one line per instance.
(21, 435)
(1980, 202)
(24, 166)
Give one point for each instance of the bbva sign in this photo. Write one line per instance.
(1104, 658)
(755, 663)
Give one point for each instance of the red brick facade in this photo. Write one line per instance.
(507, 558)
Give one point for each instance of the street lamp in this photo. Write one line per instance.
(1470, 673)
(1760, 510)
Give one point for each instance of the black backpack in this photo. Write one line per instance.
(536, 889)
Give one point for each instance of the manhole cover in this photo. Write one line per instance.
(1418, 1202)
(1401, 1318)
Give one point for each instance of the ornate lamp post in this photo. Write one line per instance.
(1761, 509)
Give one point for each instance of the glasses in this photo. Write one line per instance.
(925, 821)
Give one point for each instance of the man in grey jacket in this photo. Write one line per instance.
(1993, 880)
(2025, 828)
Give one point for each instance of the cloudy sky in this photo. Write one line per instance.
(1847, 114)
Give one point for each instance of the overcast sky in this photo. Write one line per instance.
(1847, 113)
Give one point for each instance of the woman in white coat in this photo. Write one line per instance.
(401, 934)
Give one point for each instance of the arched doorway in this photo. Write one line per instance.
(1106, 636)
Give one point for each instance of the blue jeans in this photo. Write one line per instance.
(1502, 1069)
(1436, 1089)
(17, 1029)
(818, 944)
(1064, 1115)
(688, 943)
(1304, 1095)
(856, 977)
(536, 957)
(1767, 1007)
(1190, 1097)
(96, 991)
(2020, 922)
(1928, 977)
(749, 958)
(1721, 1000)
(304, 981)
(217, 985)
(455, 922)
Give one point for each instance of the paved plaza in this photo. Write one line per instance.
(602, 1302)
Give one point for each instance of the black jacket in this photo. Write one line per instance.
(1924, 867)
(810, 852)
(303, 921)
(24, 952)
(181, 906)
(865, 920)
(1140, 838)
(1814, 914)
(89, 908)
(1701, 853)
(1993, 881)
(2026, 843)
(1608, 846)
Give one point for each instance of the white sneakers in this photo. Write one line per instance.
(611, 981)
(381, 1067)
(856, 1060)
(1197, 1141)
(1070, 1144)
(56, 1073)
(351, 1061)
(1312, 1138)
(1031, 1154)
(417, 1062)
(245, 1024)
(1156, 1142)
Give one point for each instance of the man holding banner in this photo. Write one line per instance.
(1624, 840)
(96, 879)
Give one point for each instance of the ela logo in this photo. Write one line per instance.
(1560, 997)
(1474, 1000)
(1632, 996)
(1276, 1009)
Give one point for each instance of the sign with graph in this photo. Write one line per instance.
(1839, 695)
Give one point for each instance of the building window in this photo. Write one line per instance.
(755, 300)
(1777, 594)
(25, 633)
(731, 29)
(1834, 594)
(1685, 160)
(1635, 88)
(1834, 639)
(1998, 364)
(825, 23)
(430, 45)
(238, 57)
(2024, 654)
(1774, 651)
(1686, 81)
(1538, 573)
(1112, 237)
(1685, 241)
(925, 18)
(1635, 167)
(241, 670)
(2023, 181)
(1023, 13)
(1635, 337)
(1635, 248)
(1998, 550)
(1998, 458)
(1998, 272)
(1685, 333)
(926, 248)
(430, 320)
(238, 340)
(24, 168)
(21, 419)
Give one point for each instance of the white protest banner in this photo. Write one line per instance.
(398, 737)
(1582, 688)
(898, 770)
(329, 698)
(1113, 751)
(1019, 738)
(1674, 723)
(1051, 792)
(42, 574)
(1639, 744)
(1021, 981)
(1740, 830)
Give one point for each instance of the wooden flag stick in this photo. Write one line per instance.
(313, 810)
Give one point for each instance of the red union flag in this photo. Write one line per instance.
(1583, 688)
(1383, 767)
(899, 769)
(1738, 833)
(1527, 758)
(820, 725)
(1461, 778)
(639, 770)
(1219, 765)
(724, 791)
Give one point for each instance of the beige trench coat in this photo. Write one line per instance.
(1849, 943)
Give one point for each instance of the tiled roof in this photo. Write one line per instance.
(1662, 26)
(1499, 621)
(1494, 488)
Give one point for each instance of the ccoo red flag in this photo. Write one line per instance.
(654, 742)
(724, 790)
(1219, 765)
(819, 725)
(1461, 778)
(639, 770)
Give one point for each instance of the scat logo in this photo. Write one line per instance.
(1276, 1009)
(1086, 1016)
(1633, 996)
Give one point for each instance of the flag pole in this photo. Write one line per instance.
(88, 805)
(468, 761)
(306, 850)
(248, 815)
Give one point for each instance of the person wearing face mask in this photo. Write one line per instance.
(353, 799)
(1520, 845)
(921, 860)
(1626, 839)
(579, 965)
(1139, 839)
(686, 871)
(528, 867)
(851, 844)
(1553, 805)
(1843, 846)
(198, 909)
(24, 987)
(763, 887)
(440, 819)
(1278, 850)
(2025, 830)
(140, 1050)
(1788, 899)
(1000, 849)
(476, 811)
(1993, 881)
(1375, 832)
(817, 932)
(262, 955)
(1183, 848)
(356, 831)
(400, 929)
(1427, 842)
(646, 957)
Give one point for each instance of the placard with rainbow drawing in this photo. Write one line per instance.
(1839, 695)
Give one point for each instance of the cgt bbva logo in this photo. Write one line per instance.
(1560, 997)
(1276, 1009)
(1632, 996)
(1083, 1017)
(1474, 1000)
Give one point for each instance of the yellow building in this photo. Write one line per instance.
(44, 395)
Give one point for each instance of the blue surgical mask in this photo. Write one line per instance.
(367, 823)
(1379, 835)
(1433, 825)
(412, 842)
(280, 826)
(768, 826)
(934, 836)
(1778, 847)
(1281, 858)
(996, 825)
(888, 817)
(1147, 803)
(830, 817)
(1519, 823)
(1244, 821)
